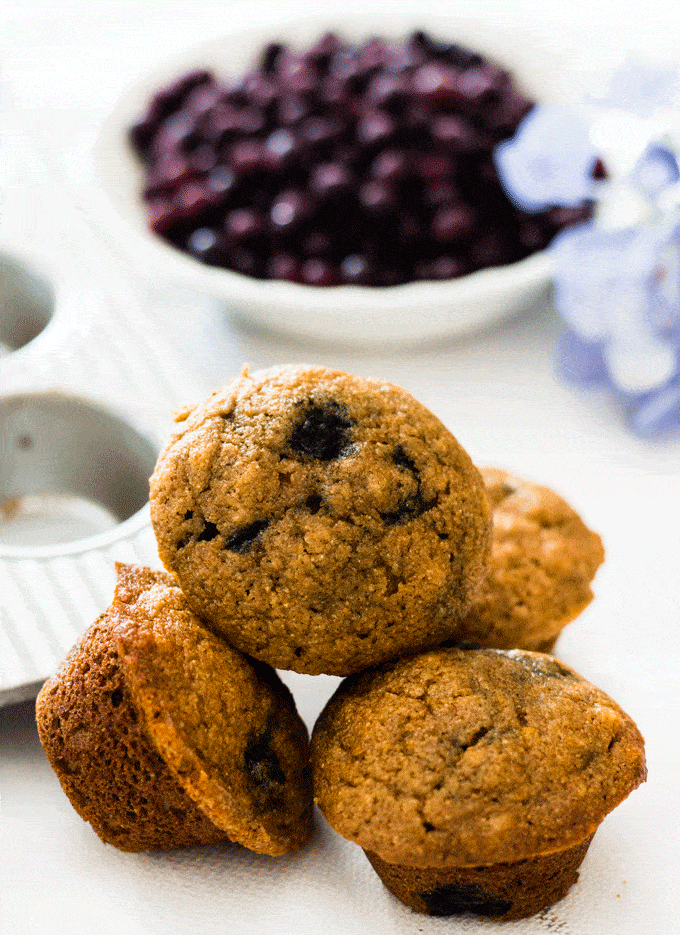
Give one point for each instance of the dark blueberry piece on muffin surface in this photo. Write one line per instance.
(321, 432)
(266, 777)
(164, 736)
(352, 526)
(412, 505)
(451, 899)
(246, 536)
(473, 779)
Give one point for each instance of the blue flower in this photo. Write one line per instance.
(580, 361)
(642, 88)
(601, 276)
(657, 413)
(617, 292)
(616, 277)
(664, 306)
(549, 161)
(656, 170)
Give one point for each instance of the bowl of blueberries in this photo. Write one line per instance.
(336, 181)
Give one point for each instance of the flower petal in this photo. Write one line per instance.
(580, 361)
(591, 270)
(659, 414)
(664, 305)
(656, 170)
(549, 161)
(642, 87)
(637, 362)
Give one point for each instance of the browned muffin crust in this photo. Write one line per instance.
(543, 560)
(91, 733)
(459, 758)
(162, 735)
(319, 521)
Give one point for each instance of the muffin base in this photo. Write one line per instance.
(501, 891)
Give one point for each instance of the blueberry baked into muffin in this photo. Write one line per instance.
(164, 736)
(543, 560)
(474, 780)
(319, 521)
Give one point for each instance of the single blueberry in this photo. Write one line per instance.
(246, 536)
(449, 899)
(210, 530)
(313, 503)
(264, 774)
(321, 432)
(271, 57)
(412, 506)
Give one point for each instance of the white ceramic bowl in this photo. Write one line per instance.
(352, 315)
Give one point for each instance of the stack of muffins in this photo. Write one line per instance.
(318, 522)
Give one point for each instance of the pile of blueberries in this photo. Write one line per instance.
(368, 164)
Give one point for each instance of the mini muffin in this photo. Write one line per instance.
(543, 559)
(164, 736)
(319, 521)
(474, 780)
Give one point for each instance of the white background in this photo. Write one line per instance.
(64, 66)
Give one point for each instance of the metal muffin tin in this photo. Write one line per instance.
(91, 368)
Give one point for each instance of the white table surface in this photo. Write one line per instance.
(63, 67)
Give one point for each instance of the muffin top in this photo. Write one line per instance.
(320, 521)
(468, 757)
(226, 727)
(543, 559)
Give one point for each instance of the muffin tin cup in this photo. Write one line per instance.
(69, 471)
(88, 381)
(26, 304)
(499, 891)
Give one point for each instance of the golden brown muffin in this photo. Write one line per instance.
(319, 521)
(164, 736)
(473, 779)
(543, 559)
